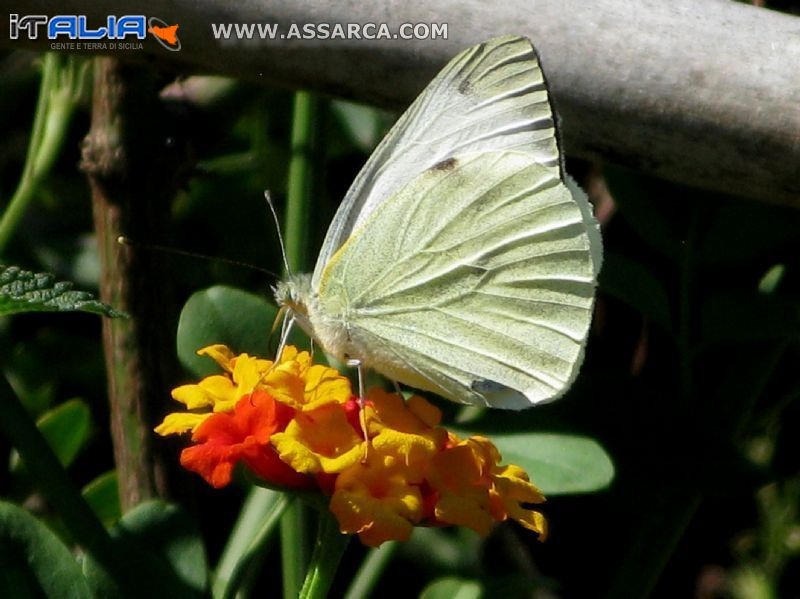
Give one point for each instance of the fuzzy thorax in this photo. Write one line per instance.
(327, 327)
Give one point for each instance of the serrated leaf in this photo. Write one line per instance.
(102, 494)
(35, 561)
(222, 314)
(25, 291)
(557, 463)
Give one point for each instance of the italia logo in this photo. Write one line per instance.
(76, 27)
(166, 35)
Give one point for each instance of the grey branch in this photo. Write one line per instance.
(704, 92)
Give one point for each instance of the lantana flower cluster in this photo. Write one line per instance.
(386, 468)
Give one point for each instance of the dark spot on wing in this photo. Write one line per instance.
(465, 87)
(487, 386)
(445, 165)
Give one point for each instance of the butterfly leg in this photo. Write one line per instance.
(287, 320)
(362, 400)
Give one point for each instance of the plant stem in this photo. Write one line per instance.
(328, 552)
(371, 569)
(294, 548)
(251, 533)
(54, 109)
(305, 147)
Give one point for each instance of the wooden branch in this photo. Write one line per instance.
(133, 174)
(702, 92)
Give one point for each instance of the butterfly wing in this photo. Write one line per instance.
(490, 97)
(475, 280)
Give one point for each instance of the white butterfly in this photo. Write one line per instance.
(461, 261)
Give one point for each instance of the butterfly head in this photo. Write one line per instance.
(293, 296)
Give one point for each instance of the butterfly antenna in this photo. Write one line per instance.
(268, 198)
(127, 241)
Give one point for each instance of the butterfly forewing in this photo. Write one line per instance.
(490, 97)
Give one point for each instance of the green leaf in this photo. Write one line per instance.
(452, 587)
(66, 428)
(364, 125)
(160, 541)
(221, 314)
(102, 494)
(631, 282)
(35, 562)
(557, 463)
(24, 291)
(508, 587)
(771, 279)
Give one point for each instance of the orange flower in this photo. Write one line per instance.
(474, 491)
(321, 440)
(295, 424)
(292, 380)
(226, 439)
(407, 428)
(376, 501)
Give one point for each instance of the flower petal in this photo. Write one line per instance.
(180, 422)
(320, 440)
(219, 353)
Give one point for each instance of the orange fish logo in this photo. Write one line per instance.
(166, 35)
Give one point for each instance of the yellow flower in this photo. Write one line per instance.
(457, 474)
(375, 501)
(321, 440)
(407, 428)
(296, 424)
(293, 381)
(511, 489)
(474, 491)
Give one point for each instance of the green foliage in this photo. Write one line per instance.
(559, 464)
(102, 495)
(25, 291)
(66, 429)
(511, 587)
(35, 562)
(162, 544)
(221, 314)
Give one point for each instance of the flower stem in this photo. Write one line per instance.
(328, 552)
(371, 569)
(308, 110)
(58, 95)
(253, 529)
(294, 549)
(305, 143)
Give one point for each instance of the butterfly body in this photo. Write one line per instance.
(461, 261)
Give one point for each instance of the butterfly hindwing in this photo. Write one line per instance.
(475, 280)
